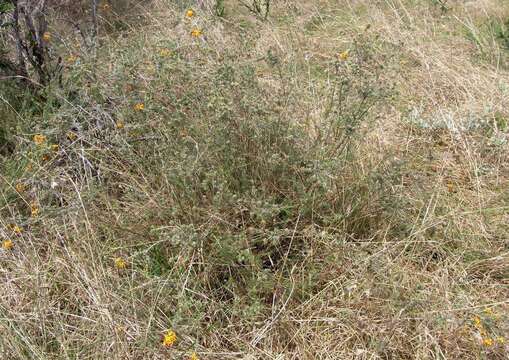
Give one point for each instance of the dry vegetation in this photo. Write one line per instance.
(329, 183)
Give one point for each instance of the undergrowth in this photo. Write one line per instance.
(196, 186)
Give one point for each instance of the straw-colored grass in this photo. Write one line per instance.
(260, 195)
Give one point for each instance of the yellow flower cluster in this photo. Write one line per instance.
(477, 322)
(486, 340)
(17, 229)
(139, 106)
(7, 244)
(120, 263)
(196, 32)
(71, 135)
(20, 187)
(170, 337)
(344, 55)
(165, 52)
(39, 139)
(71, 59)
(34, 209)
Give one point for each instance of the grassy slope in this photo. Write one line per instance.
(244, 227)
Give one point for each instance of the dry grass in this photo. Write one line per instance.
(243, 227)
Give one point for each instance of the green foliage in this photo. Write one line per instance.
(492, 40)
(219, 8)
(501, 30)
(239, 181)
(6, 6)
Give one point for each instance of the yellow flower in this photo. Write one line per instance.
(120, 263)
(477, 322)
(196, 33)
(190, 13)
(20, 187)
(45, 157)
(7, 244)
(72, 135)
(488, 312)
(54, 147)
(46, 36)
(139, 106)
(71, 59)
(17, 229)
(34, 209)
(344, 55)
(487, 342)
(39, 139)
(119, 124)
(194, 356)
(165, 52)
(500, 340)
(169, 338)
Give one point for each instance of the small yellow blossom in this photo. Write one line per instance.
(119, 124)
(165, 52)
(39, 139)
(72, 135)
(7, 244)
(487, 342)
(20, 187)
(17, 229)
(500, 340)
(34, 209)
(120, 263)
(489, 312)
(344, 55)
(477, 322)
(46, 36)
(194, 356)
(54, 147)
(196, 33)
(169, 338)
(190, 13)
(45, 157)
(71, 59)
(139, 106)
